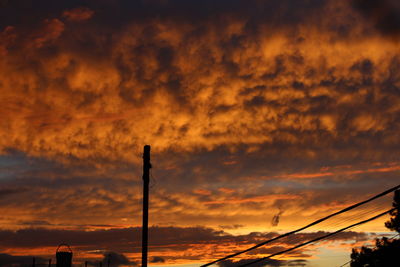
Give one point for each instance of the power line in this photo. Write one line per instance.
(336, 223)
(305, 227)
(318, 238)
(345, 263)
(295, 239)
(393, 237)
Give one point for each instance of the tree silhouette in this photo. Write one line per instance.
(394, 222)
(386, 252)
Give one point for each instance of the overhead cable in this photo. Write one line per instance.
(305, 227)
(318, 238)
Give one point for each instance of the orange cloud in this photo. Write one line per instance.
(202, 192)
(174, 244)
(226, 190)
(50, 30)
(234, 103)
(7, 37)
(266, 90)
(78, 14)
(258, 199)
(387, 169)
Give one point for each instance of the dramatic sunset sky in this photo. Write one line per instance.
(262, 115)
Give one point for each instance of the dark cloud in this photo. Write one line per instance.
(289, 11)
(34, 223)
(276, 218)
(269, 262)
(157, 259)
(385, 14)
(146, 58)
(128, 239)
(106, 239)
(231, 227)
(4, 192)
(298, 263)
(114, 259)
(260, 95)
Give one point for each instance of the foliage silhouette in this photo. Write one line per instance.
(386, 252)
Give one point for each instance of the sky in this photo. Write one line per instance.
(262, 116)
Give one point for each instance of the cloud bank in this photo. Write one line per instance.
(79, 81)
(168, 244)
(251, 107)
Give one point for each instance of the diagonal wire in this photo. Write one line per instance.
(305, 227)
(318, 238)
(294, 239)
(345, 263)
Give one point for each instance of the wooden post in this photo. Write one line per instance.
(146, 180)
(33, 262)
(49, 262)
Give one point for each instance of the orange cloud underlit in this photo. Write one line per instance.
(257, 112)
(268, 198)
(338, 173)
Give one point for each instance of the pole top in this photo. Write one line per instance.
(146, 152)
(146, 157)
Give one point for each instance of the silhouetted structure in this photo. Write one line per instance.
(146, 180)
(64, 258)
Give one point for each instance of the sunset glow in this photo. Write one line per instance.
(262, 117)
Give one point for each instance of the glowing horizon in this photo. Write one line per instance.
(263, 116)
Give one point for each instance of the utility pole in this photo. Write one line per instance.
(146, 180)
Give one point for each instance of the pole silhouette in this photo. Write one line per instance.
(146, 180)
